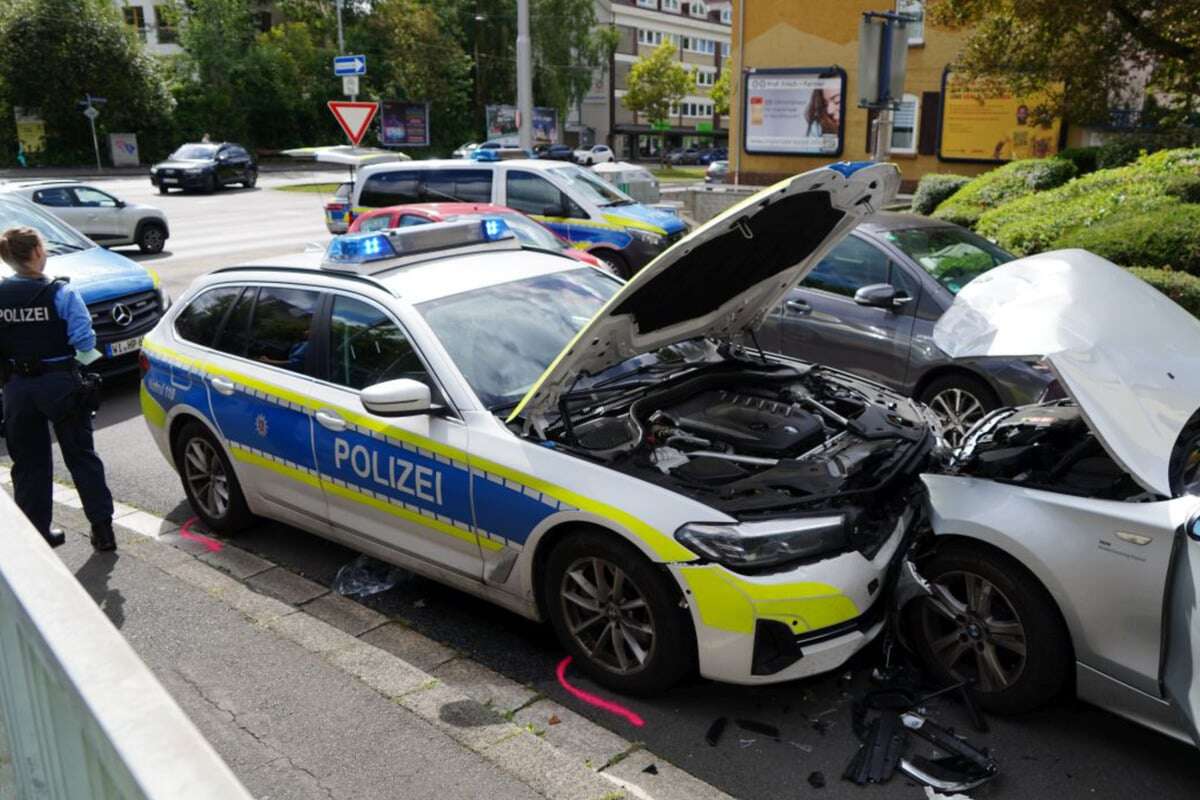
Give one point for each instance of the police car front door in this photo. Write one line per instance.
(400, 483)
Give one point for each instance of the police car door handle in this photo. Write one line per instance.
(222, 385)
(331, 421)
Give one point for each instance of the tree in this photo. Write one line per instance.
(656, 82)
(1081, 51)
(567, 48)
(52, 52)
(720, 92)
(218, 38)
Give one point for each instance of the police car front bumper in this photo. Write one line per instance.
(756, 629)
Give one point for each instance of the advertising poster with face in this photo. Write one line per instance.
(795, 111)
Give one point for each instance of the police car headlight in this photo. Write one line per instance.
(763, 544)
(647, 237)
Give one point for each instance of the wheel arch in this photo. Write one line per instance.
(952, 371)
(142, 224)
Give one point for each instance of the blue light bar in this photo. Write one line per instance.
(484, 154)
(495, 228)
(359, 248)
(848, 168)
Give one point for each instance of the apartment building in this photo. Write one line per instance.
(701, 31)
(153, 22)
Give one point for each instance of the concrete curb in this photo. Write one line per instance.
(548, 747)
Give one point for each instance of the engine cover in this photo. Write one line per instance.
(749, 424)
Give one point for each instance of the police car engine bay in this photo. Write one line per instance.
(758, 441)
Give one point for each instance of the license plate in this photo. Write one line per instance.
(170, 180)
(124, 346)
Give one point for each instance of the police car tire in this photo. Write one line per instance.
(237, 516)
(673, 655)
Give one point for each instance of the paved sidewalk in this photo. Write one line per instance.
(307, 694)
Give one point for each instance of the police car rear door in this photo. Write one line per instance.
(400, 483)
(258, 381)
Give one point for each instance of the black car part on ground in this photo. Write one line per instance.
(1047, 446)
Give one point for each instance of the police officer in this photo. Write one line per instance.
(43, 324)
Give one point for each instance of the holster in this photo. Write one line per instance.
(88, 394)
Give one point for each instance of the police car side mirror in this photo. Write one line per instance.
(402, 397)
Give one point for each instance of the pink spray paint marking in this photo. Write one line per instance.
(591, 699)
(187, 533)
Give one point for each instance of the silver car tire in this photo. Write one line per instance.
(618, 615)
(959, 402)
(992, 623)
(211, 485)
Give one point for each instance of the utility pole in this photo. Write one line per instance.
(524, 77)
(341, 41)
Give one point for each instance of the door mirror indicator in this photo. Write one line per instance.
(402, 397)
(881, 295)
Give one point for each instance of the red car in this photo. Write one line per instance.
(527, 230)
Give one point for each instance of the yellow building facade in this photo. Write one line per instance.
(822, 36)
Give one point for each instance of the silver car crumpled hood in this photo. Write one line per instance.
(722, 279)
(1127, 354)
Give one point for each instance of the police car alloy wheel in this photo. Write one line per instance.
(209, 482)
(617, 614)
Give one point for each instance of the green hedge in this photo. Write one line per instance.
(934, 188)
(1046, 220)
(1084, 158)
(1184, 289)
(1164, 237)
(1127, 148)
(1013, 180)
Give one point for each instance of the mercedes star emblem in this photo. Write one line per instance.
(121, 314)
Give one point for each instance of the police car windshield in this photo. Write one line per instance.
(59, 238)
(195, 152)
(502, 338)
(591, 187)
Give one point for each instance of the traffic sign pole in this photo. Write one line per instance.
(89, 110)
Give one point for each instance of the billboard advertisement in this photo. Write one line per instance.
(31, 129)
(992, 124)
(502, 123)
(123, 149)
(403, 124)
(795, 111)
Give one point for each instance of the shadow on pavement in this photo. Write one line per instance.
(94, 576)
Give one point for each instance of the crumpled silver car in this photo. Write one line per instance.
(1068, 533)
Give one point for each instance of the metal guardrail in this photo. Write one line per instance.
(84, 717)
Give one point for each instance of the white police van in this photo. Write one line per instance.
(575, 203)
(532, 431)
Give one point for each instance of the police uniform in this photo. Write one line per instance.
(42, 324)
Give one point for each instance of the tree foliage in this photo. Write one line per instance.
(1083, 51)
(51, 52)
(656, 82)
(721, 91)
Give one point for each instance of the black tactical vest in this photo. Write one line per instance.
(30, 328)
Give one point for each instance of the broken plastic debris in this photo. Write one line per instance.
(805, 747)
(744, 743)
(754, 726)
(652, 769)
(419, 603)
(715, 730)
(554, 720)
(816, 780)
(930, 794)
(366, 576)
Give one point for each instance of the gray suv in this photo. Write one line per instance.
(869, 307)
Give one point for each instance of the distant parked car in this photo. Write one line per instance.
(596, 154)
(708, 156)
(465, 150)
(527, 230)
(338, 215)
(206, 167)
(103, 218)
(717, 172)
(555, 152)
(687, 155)
(869, 307)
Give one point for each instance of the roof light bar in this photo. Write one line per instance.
(362, 253)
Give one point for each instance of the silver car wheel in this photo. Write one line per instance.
(206, 478)
(607, 615)
(974, 631)
(958, 410)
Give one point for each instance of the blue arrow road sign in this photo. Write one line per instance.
(349, 65)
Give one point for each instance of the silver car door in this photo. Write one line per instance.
(1181, 674)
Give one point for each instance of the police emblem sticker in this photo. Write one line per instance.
(260, 425)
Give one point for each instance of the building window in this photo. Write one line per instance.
(705, 78)
(698, 8)
(648, 3)
(166, 31)
(670, 5)
(913, 8)
(905, 125)
(727, 15)
(135, 17)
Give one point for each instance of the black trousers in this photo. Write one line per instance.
(31, 407)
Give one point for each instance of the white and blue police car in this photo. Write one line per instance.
(531, 430)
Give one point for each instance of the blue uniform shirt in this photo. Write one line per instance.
(73, 311)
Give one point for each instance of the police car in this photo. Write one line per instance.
(530, 430)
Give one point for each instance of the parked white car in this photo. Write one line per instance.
(103, 218)
(1068, 533)
(596, 154)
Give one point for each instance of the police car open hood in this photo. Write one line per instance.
(1128, 355)
(722, 279)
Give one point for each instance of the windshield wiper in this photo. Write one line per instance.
(67, 245)
(617, 203)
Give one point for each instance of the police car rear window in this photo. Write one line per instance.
(198, 322)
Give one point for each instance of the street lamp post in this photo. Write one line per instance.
(524, 77)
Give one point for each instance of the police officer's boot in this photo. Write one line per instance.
(55, 537)
(103, 538)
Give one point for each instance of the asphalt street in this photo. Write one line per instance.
(1071, 750)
